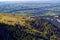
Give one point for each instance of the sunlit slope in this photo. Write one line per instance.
(13, 19)
(21, 27)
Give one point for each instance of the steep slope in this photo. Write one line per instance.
(18, 27)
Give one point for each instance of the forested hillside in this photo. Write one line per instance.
(19, 27)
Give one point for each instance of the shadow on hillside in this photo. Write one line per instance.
(6, 34)
(3, 32)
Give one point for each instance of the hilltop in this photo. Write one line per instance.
(20, 27)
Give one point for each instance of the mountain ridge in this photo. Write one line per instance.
(29, 28)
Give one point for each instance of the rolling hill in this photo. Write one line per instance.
(20, 27)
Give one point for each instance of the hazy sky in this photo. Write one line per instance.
(29, 0)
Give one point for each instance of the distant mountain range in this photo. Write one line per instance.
(30, 8)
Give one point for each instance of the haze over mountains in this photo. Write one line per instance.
(30, 8)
